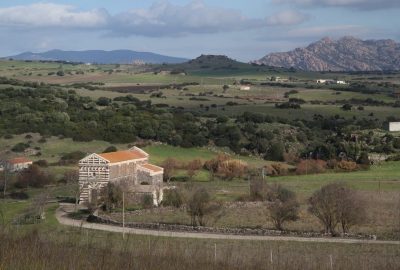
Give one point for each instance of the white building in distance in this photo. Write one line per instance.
(17, 164)
(394, 126)
(245, 88)
(323, 81)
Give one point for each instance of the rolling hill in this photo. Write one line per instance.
(215, 65)
(99, 56)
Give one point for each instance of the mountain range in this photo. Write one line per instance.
(100, 57)
(345, 54)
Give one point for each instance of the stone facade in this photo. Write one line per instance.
(129, 167)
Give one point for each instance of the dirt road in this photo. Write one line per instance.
(63, 219)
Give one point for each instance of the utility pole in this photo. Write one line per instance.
(123, 215)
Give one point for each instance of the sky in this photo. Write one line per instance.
(241, 29)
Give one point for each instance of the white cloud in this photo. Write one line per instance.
(51, 15)
(288, 17)
(359, 4)
(160, 19)
(164, 18)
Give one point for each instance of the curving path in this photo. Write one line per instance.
(64, 220)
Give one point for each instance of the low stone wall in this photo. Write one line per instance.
(232, 231)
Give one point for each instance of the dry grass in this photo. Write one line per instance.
(383, 216)
(81, 251)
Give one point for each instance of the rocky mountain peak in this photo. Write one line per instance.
(345, 54)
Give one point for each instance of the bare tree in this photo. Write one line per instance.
(33, 176)
(337, 204)
(283, 206)
(169, 166)
(213, 165)
(350, 208)
(323, 206)
(258, 188)
(199, 205)
(38, 206)
(5, 173)
(193, 166)
(111, 196)
(71, 178)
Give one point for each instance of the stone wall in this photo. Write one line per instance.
(146, 177)
(123, 172)
(228, 231)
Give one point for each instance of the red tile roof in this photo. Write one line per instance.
(19, 160)
(121, 156)
(152, 167)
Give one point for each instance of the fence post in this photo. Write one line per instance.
(215, 253)
(271, 258)
(331, 261)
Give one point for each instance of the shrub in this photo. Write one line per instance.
(33, 177)
(195, 164)
(20, 147)
(19, 195)
(275, 152)
(172, 197)
(181, 178)
(42, 140)
(276, 169)
(169, 165)
(232, 168)
(332, 163)
(258, 189)
(103, 101)
(396, 143)
(311, 166)
(110, 149)
(347, 107)
(283, 206)
(72, 157)
(42, 163)
(147, 201)
(212, 165)
(198, 206)
(111, 196)
(364, 159)
(347, 165)
(288, 105)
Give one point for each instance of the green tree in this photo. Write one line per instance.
(275, 152)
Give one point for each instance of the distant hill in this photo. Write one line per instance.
(345, 54)
(100, 57)
(215, 64)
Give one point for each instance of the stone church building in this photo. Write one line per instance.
(131, 168)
